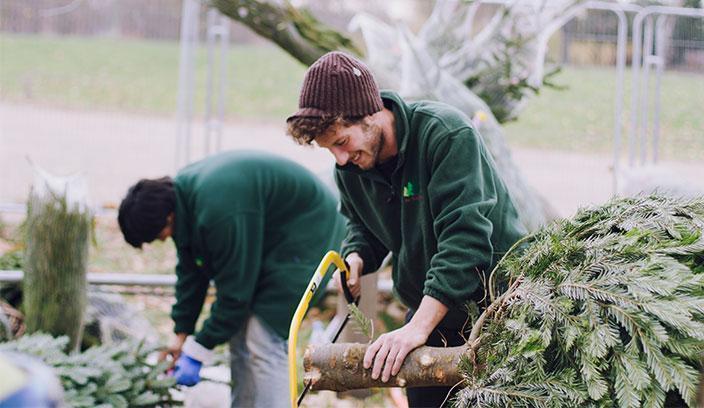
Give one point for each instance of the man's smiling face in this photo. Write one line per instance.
(359, 144)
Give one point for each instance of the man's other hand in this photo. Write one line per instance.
(356, 264)
(174, 350)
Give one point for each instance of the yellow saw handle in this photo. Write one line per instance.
(330, 258)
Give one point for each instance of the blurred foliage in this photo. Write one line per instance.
(499, 86)
(107, 376)
(55, 262)
(12, 260)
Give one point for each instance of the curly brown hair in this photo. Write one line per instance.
(304, 129)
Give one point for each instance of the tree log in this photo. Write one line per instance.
(339, 367)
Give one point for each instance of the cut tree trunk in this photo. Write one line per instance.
(339, 367)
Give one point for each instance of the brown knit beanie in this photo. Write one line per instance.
(338, 84)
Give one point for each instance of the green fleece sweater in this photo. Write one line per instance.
(257, 225)
(444, 213)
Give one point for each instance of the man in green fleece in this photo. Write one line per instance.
(256, 225)
(416, 180)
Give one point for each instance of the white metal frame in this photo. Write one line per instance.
(217, 46)
(644, 57)
(622, 39)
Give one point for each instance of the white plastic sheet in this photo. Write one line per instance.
(73, 187)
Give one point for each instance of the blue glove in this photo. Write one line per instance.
(187, 370)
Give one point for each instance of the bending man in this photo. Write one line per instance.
(257, 226)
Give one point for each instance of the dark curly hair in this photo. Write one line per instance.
(144, 211)
(304, 129)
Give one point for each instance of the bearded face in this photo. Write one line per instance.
(359, 144)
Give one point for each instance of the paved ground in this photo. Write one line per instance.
(114, 150)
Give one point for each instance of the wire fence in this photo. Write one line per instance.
(154, 19)
(590, 39)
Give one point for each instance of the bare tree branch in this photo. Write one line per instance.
(296, 31)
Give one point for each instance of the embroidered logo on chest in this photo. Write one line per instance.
(410, 193)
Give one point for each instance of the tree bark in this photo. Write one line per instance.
(339, 367)
(296, 31)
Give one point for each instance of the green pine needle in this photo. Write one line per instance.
(365, 324)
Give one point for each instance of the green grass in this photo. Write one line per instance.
(140, 76)
(263, 83)
(581, 117)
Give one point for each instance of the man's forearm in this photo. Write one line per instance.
(429, 314)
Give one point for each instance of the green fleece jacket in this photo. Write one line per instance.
(444, 213)
(255, 224)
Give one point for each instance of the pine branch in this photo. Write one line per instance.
(615, 294)
(365, 324)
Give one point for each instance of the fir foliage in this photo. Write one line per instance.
(12, 260)
(605, 309)
(117, 375)
(56, 234)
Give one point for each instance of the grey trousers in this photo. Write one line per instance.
(259, 366)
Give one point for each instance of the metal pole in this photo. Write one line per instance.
(644, 81)
(189, 39)
(660, 65)
(210, 72)
(218, 32)
(101, 278)
(635, 69)
(618, 102)
(224, 49)
(146, 279)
